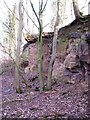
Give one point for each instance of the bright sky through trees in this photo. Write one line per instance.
(48, 14)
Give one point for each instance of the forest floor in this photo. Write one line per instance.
(65, 100)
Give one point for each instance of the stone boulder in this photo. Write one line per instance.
(71, 62)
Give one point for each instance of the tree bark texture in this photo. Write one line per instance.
(76, 9)
(50, 69)
(19, 42)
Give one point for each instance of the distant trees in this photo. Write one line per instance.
(9, 31)
(12, 34)
(62, 13)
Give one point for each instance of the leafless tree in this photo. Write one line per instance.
(19, 42)
(50, 68)
(40, 41)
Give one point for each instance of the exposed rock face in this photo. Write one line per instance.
(71, 65)
(78, 58)
(74, 50)
(71, 61)
(83, 52)
(32, 68)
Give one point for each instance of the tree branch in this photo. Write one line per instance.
(44, 6)
(4, 24)
(10, 10)
(35, 13)
(46, 25)
(30, 17)
(14, 15)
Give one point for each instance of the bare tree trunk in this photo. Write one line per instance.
(40, 61)
(77, 12)
(39, 19)
(89, 8)
(49, 80)
(19, 41)
(28, 49)
(40, 48)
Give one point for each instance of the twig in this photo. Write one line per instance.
(35, 13)
(30, 17)
(45, 25)
(5, 51)
(4, 24)
(44, 6)
(9, 101)
(10, 10)
(24, 81)
(14, 14)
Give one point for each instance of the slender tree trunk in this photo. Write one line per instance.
(40, 61)
(88, 8)
(40, 41)
(19, 41)
(28, 49)
(49, 80)
(40, 49)
(77, 12)
(13, 34)
(50, 69)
